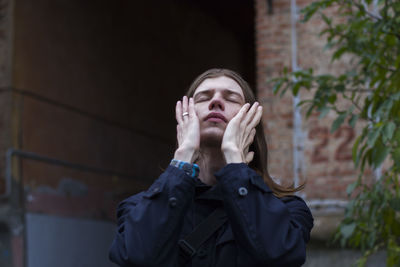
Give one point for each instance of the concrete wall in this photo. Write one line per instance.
(66, 242)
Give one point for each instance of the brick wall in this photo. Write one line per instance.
(327, 165)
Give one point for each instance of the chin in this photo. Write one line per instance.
(212, 137)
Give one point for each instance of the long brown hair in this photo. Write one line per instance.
(259, 146)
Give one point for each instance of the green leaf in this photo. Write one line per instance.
(388, 216)
(397, 134)
(338, 121)
(396, 156)
(354, 150)
(350, 188)
(395, 204)
(303, 102)
(347, 230)
(277, 86)
(387, 105)
(393, 253)
(388, 130)
(310, 10)
(373, 136)
(379, 153)
(338, 53)
(366, 158)
(332, 99)
(309, 110)
(327, 20)
(360, 155)
(353, 120)
(296, 87)
(396, 96)
(325, 110)
(361, 262)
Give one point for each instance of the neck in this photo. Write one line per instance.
(210, 160)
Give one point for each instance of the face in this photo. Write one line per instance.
(216, 102)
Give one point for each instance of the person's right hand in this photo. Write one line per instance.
(188, 131)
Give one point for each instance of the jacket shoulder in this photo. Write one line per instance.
(295, 203)
(300, 214)
(130, 201)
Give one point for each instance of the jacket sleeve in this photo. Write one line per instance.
(273, 231)
(150, 222)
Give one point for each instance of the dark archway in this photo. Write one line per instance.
(110, 71)
(96, 84)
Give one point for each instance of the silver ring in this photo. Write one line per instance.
(185, 114)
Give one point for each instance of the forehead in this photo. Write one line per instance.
(219, 83)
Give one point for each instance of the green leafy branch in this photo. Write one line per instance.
(371, 88)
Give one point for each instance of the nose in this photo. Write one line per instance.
(217, 102)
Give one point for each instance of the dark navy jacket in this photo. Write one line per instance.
(262, 230)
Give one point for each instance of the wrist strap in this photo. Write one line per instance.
(192, 170)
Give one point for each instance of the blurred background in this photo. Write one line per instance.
(87, 99)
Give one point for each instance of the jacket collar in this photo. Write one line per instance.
(204, 191)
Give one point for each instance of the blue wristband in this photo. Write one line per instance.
(192, 170)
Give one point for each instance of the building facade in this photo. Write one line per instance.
(87, 96)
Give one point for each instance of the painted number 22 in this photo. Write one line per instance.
(342, 152)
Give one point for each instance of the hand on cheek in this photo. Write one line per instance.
(239, 134)
(188, 130)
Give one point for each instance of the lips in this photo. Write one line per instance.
(216, 117)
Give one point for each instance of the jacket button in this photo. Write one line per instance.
(172, 202)
(201, 253)
(242, 191)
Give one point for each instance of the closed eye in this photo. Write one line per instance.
(233, 97)
(201, 99)
(234, 100)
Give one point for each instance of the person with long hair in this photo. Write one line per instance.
(215, 204)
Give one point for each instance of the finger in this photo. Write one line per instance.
(185, 108)
(242, 112)
(178, 112)
(250, 114)
(247, 122)
(249, 157)
(250, 138)
(192, 112)
(257, 117)
(178, 134)
(184, 104)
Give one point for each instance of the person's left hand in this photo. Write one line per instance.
(239, 134)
